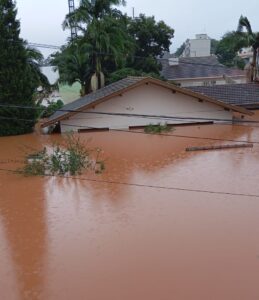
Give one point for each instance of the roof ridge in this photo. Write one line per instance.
(136, 77)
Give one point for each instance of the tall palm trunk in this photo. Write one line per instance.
(253, 41)
(253, 64)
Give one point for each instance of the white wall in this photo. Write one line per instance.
(148, 100)
(200, 47)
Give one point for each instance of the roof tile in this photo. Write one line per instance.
(246, 94)
(197, 67)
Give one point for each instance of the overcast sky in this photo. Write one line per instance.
(41, 19)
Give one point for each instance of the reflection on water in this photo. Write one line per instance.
(77, 239)
(22, 211)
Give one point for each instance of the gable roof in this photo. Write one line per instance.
(197, 67)
(246, 95)
(122, 86)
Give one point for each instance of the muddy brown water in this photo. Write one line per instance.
(75, 239)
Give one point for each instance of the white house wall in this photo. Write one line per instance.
(144, 100)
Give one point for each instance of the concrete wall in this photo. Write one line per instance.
(198, 47)
(148, 100)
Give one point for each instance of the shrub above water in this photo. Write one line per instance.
(158, 128)
(69, 158)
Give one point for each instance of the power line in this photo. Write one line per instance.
(168, 135)
(143, 185)
(139, 132)
(17, 119)
(166, 117)
(49, 46)
(45, 46)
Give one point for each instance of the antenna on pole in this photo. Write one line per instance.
(71, 6)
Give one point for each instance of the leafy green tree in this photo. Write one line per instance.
(152, 40)
(90, 10)
(73, 63)
(234, 41)
(108, 43)
(17, 82)
(125, 72)
(228, 48)
(51, 108)
(34, 60)
(214, 46)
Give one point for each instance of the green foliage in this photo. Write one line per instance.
(252, 39)
(125, 72)
(110, 42)
(234, 41)
(17, 75)
(73, 64)
(70, 158)
(214, 46)
(228, 48)
(36, 163)
(103, 44)
(92, 10)
(51, 109)
(152, 40)
(158, 128)
(34, 60)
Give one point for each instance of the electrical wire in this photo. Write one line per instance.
(168, 135)
(145, 133)
(48, 46)
(17, 119)
(133, 115)
(139, 185)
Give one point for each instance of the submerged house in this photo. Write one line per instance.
(136, 102)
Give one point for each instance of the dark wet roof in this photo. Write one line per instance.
(99, 94)
(246, 94)
(197, 67)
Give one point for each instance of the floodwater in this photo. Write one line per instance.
(78, 239)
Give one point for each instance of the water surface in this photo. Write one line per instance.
(78, 239)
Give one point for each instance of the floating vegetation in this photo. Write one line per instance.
(70, 158)
(158, 128)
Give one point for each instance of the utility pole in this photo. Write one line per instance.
(133, 12)
(71, 6)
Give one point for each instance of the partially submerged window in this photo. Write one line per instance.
(92, 130)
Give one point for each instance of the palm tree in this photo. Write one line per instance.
(89, 10)
(103, 36)
(73, 63)
(252, 40)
